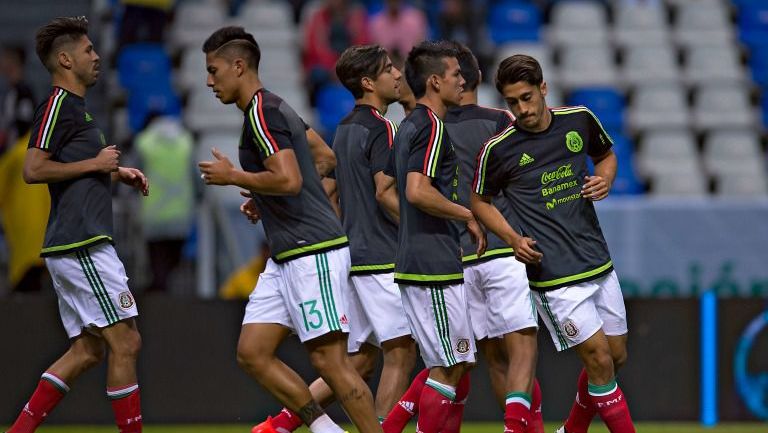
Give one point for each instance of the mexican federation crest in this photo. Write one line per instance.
(126, 300)
(573, 141)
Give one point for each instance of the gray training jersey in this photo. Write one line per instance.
(470, 126)
(362, 145)
(81, 208)
(542, 173)
(298, 225)
(428, 251)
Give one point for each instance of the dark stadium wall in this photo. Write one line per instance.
(188, 371)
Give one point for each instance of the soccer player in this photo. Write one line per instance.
(302, 289)
(369, 213)
(540, 164)
(428, 262)
(68, 151)
(503, 317)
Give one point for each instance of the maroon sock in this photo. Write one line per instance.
(49, 392)
(434, 408)
(582, 410)
(517, 412)
(612, 407)
(126, 405)
(287, 419)
(453, 423)
(407, 406)
(537, 421)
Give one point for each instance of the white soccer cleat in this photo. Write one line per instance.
(561, 429)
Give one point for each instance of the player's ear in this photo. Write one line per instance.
(434, 81)
(543, 88)
(64, 59)
(239, 66)
(367, 84)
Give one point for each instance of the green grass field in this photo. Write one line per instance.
(467, 428)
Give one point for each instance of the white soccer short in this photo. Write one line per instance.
(92, 288)
(440, 323)
(375, 311)
(500, 300)
(575, 313)
(304, 294)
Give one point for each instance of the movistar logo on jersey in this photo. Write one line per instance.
(525, 159)
(88, 117)
(573, 141)
(562, 172)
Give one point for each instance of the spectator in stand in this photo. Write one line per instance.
(398, 28)
(165, 153)
(18, 103)
(464, 21)
(335, 26)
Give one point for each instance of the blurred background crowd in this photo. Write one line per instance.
(681, 86)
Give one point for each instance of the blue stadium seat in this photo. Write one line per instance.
(758, 63)
(626, 182)
(333, 103)
(513, 20)
(150, 99)
(139, 64)
(606, 102)
(753, 24)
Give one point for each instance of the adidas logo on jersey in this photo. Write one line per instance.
(408, 406)
(525, 159)
(88, 117)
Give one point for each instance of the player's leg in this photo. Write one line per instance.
(124, 343)
(407, 406)
(266, 323)
(382, 307)
(399, 360)
(317, 285)
(328, 354)
(511, 314)
(495, 356)
(440, 323)
(85, 351)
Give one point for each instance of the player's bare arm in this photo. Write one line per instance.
(40, 168)
(598, 186)
(331, 189)
(420, 193)
(322, 154)
(490, 217)
(386, 195)
(132, 177)
(281, 177)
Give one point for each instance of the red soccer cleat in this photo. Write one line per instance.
(265, 427)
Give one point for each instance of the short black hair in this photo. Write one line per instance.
(234, 41)
(359, 62)
(470, 68)
(424, 60)
(59, 31)
(519, 67)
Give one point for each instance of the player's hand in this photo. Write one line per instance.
(249, 208)
(525, 252)
(595, 188)
(478, 235)
(218, 172)
(135, 178)
(107, 160)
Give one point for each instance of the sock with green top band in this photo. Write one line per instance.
(610, 403)
(517, 412)
(446, 390)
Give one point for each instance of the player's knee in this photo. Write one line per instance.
(128, 345)
(252, 357)
(89, 356)
(601, 362)
(619, 358)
